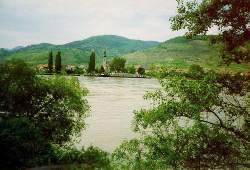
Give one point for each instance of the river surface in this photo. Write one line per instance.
(112, 102)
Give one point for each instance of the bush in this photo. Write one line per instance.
(79, 70)
(196, 71)
(131, 69)
(141, 70)
(92, 156)
(118, 64)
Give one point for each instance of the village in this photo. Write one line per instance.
(109, 67)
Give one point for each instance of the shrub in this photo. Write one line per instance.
(196, 71)
(118, 64)
(92, 156)
(131, 69)
(141, 70)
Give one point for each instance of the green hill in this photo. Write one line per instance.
(3, 54)
(78, 52)
(180, 52)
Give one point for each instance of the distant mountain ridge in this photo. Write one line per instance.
(78, 52)
(17, 48)
(180, 52)
(173, 51)
(177, 52)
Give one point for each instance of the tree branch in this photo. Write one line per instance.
(216, 115)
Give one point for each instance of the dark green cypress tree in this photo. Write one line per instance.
(91, 68)
(50, 62)
(105, 54)
(58, 64)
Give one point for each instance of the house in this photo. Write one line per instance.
(42, 66)
(70, 68)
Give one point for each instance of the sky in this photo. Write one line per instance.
(25, 22)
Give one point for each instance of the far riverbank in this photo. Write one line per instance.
(121, 75)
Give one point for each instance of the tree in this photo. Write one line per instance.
(196, 123)
(131, 69)
(105, 54)
(118, 64)
(37, 98)
(91, 67)
(232, 17)
(22, 143)
(141, 70)
(58, 64)
(35, 113)
(200, 119)
(50, 62)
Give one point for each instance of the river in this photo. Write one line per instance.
(112, 102)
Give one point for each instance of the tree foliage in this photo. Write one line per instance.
(58, 62)
(50, 62)
(93, 157)
(91, 67)
(196, 71)
(196, 122)
(199, 119)
(131, 69)
(36, 112)
(117, 64)
(22, 143)
(232, 17)
(140, 70)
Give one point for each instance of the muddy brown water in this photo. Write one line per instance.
(112, 102)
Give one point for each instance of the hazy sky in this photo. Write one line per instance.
(24, 22)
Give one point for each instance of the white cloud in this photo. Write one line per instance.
(61, 21)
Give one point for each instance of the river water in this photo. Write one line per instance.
(112, 102)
